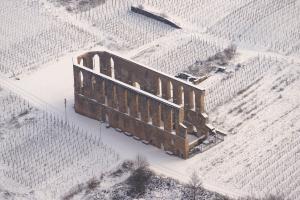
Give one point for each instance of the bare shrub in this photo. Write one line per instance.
(140, 162)
(140, 177)
(194, 186)
(138, 181)
(223, 57)
(230, 51)
(93, 184)
(73, 192)
(126, 166)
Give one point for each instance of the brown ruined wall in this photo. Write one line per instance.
(131, 72)
(156, 136)
(89, 101)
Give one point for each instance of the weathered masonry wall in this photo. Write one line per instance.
(148, 13)
(153, 106)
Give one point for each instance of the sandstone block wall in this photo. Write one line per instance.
(151, 105)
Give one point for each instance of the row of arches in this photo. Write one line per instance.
(96, 64)
(166, 93)
(180, 98)
(136, 105)
(180, 92)
(129, 102)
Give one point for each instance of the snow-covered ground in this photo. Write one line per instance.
(256, 101)
(31, 37)
(262, 152)
(120, 183)
(43, 153)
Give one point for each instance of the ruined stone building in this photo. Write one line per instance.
(154, 107)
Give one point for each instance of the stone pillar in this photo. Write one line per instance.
(122, 99)
(133, 104)
(186, 95)
(102, 113)
(152, 87)
(188, 98)
(144, 108)
(199, 100)
(178, 118)
(105, 64)
(88, 61)
(109, 93)
(115, 97)
(166, 89)
(192, 99)
(100, 90)
(156, 113)
(87, 84)
(178, 94)
(168, 118)
(182, 131)
(77, 80)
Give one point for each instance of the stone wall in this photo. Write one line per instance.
(153, 106)
(148, 13)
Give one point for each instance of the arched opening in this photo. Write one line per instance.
(159, 88)
(181, 95)
(112, 67)
(81, 62)
(81, 80)
(137, 85)
(96, 63)
(192, 100)
(149, 112)
(171, 90)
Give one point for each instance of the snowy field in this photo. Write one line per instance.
(256, 99)
(42, 152)
(262, 154)
(31, 37)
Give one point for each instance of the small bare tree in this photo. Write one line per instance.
(140, 162)
(194, 185)
(140, 176)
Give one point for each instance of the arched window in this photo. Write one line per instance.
(159, 88)
(171, 90)
(137, 85)
(112, 66)
(192, 100)
(96, 63)
(81, 62)
(81, 80)
(181, 94)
